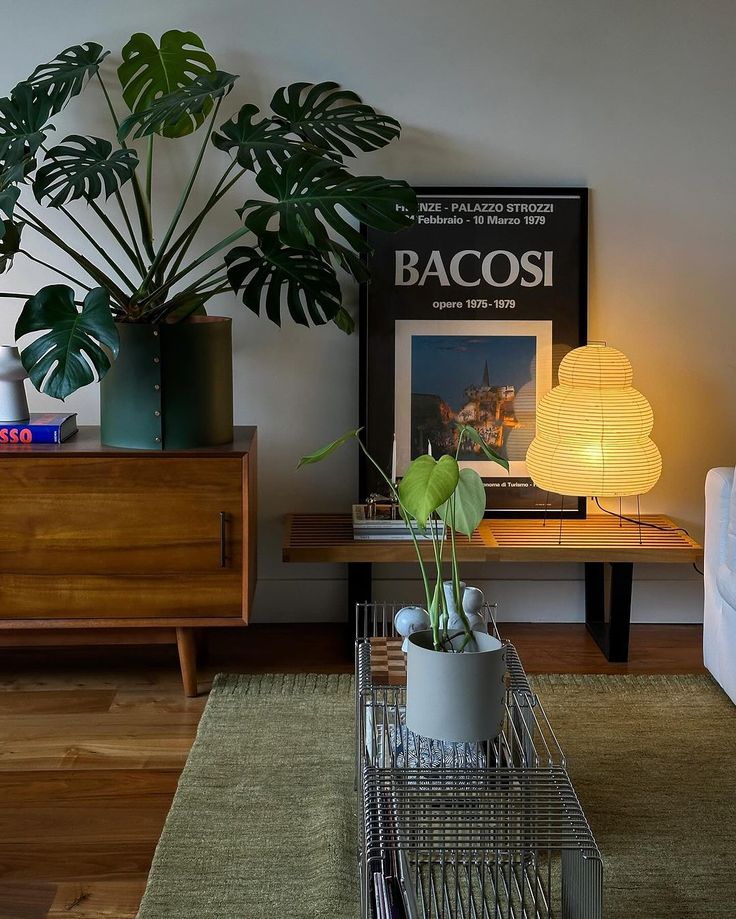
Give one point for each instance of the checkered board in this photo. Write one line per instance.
(388, 662)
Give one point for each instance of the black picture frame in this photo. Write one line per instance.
(546, 323)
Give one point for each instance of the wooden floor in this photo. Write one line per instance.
(92, 742)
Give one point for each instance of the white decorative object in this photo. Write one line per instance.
(410, 619)
(719, 619)
(454, 621)
(473, 601)
(13, 402)
(477, 622)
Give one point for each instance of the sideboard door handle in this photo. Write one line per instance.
(223, 539)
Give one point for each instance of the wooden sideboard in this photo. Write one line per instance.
(146, 545)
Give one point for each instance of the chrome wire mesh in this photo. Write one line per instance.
(490, 830)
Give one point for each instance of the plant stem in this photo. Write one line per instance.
(144, 213)
(455, 570)
(139, 261)
(191, 289)
(93, 242)
(183, 199)
(187, 236)
(405, 517)
(102, 251)
(213, 291)
(10, 296)
(223, 244)
(54, 269)
(438, 615)
(92, 270)
(149, 171)
(217, 282)
(216, 287)
(132, 254)
(456, 578)
(205, 277)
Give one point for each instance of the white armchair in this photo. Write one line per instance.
(719, 619)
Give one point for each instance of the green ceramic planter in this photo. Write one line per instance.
(171, 387)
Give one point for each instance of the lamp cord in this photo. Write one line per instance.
(654, 526)
(642, 523)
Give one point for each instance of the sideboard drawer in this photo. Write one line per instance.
(132, 537)
(135, 515)
(116, 597)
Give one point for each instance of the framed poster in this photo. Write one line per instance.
(466, 318)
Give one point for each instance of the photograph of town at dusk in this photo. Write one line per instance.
(484, 380)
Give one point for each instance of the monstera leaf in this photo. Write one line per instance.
(65, 76)
(310, 285)
(328, 450)
(149, 72)
(344, 321)
(61, 360)
(83, 167)
(469, 502)
(185, 305)
(332, 118)
(308, 193)
(349, 261)
(427, 485)
(24, 116)
(8, 199)
(9, 243)
(467, 430)
(9, 231)
(171, 110)
(264, 142)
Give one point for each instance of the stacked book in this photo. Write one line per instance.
(385, 527)
(41, 428)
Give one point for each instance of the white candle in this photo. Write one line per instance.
(393, 461)
(429, 447)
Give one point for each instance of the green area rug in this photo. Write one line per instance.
(263, 823)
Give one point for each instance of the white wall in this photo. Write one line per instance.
(634, 99)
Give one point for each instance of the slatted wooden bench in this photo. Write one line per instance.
(607, 546)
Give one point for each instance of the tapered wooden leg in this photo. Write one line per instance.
(187, 660)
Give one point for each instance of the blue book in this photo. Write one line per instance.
(41, 428)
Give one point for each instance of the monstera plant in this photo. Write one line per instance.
(137, 266)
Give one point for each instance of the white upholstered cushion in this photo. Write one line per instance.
(731, 533)
(719, 614)
(726, 583)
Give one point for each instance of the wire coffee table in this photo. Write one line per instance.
(490, 830)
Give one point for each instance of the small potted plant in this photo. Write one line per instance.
(455, 669)
(134, 317)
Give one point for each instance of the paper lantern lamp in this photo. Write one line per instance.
(593, 430)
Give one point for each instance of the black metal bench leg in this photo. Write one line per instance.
(608, 606)
(360, 590)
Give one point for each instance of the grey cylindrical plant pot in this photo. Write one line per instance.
(455, 697)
